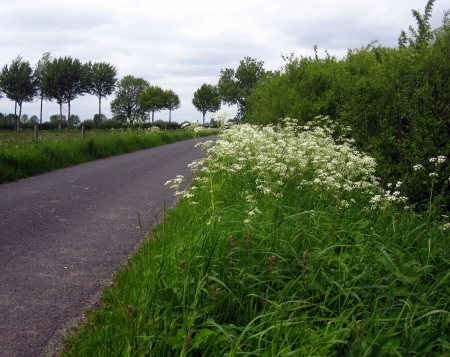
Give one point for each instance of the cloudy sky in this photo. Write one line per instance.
(182, 44)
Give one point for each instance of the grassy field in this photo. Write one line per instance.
(284, 244)
(21, 157)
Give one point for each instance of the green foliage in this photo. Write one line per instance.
(34, 119)
(153, 99)
(397, 102)
(164, 125)
(127, 94)
(172, 102)
(74, 120)
(64, 80)
(88, 124)
(423, 35)
(98, 120)
(206, 99)
(56, 117)
(18, 84)
(102, 80)
(236, 85)
(39, 71)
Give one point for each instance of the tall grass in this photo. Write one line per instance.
(20, 157)
(284, 244)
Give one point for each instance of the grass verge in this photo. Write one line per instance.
(284, 244)
(20, 157)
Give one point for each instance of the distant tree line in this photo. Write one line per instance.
(137, 99)
(64, 79)
(61, 79)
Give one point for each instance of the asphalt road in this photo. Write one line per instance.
(63, 234)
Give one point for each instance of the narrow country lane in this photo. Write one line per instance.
(63, 234)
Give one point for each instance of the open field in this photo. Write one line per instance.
(284, 244)
(21, 157)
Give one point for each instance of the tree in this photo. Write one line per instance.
(153, 99)
(102, 83)
(39, 75)
(34, 119)
(236, 86)
(74, 120)
(18, 84)
(56, 117)
(98, 119)
(206, 99)
(172, 102)
(424, 35)
(127, 94)
(64, 80)
(11, 118)
(24, 118)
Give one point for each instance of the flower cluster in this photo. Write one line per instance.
(318, 155)
(134, 121)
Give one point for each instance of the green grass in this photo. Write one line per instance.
(283, 245)
(21, 157)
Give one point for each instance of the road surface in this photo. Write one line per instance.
(64, 233)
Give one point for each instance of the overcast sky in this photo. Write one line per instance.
(182, 44)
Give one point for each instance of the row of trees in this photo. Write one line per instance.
(135, 97)
(61, 79)
(64, 79)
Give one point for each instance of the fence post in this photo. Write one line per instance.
(36, 135)
(82, 132)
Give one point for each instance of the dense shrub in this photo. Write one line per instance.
(396, 100)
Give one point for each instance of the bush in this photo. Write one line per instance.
(88, 124)
(396, 101)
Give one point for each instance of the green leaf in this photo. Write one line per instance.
(203, 338)
(407, 275)
(177, 341)
(392, 346)
(362, 224)
(167, 295)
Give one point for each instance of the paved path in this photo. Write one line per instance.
(63, 234)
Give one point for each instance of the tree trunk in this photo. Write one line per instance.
(20, 115)
(60, 115)
(204, 118)
(68, 116)
(153, 117)
(15, 116)
(99, 112)
(170, 114)
(40, 115)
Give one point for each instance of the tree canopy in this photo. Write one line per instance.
(236, 85)
(102, 82)
(127, 95)
(153, 99)
(64, 80)
(172, 102)
(206, 99)
(39, 71)
(18, 83)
